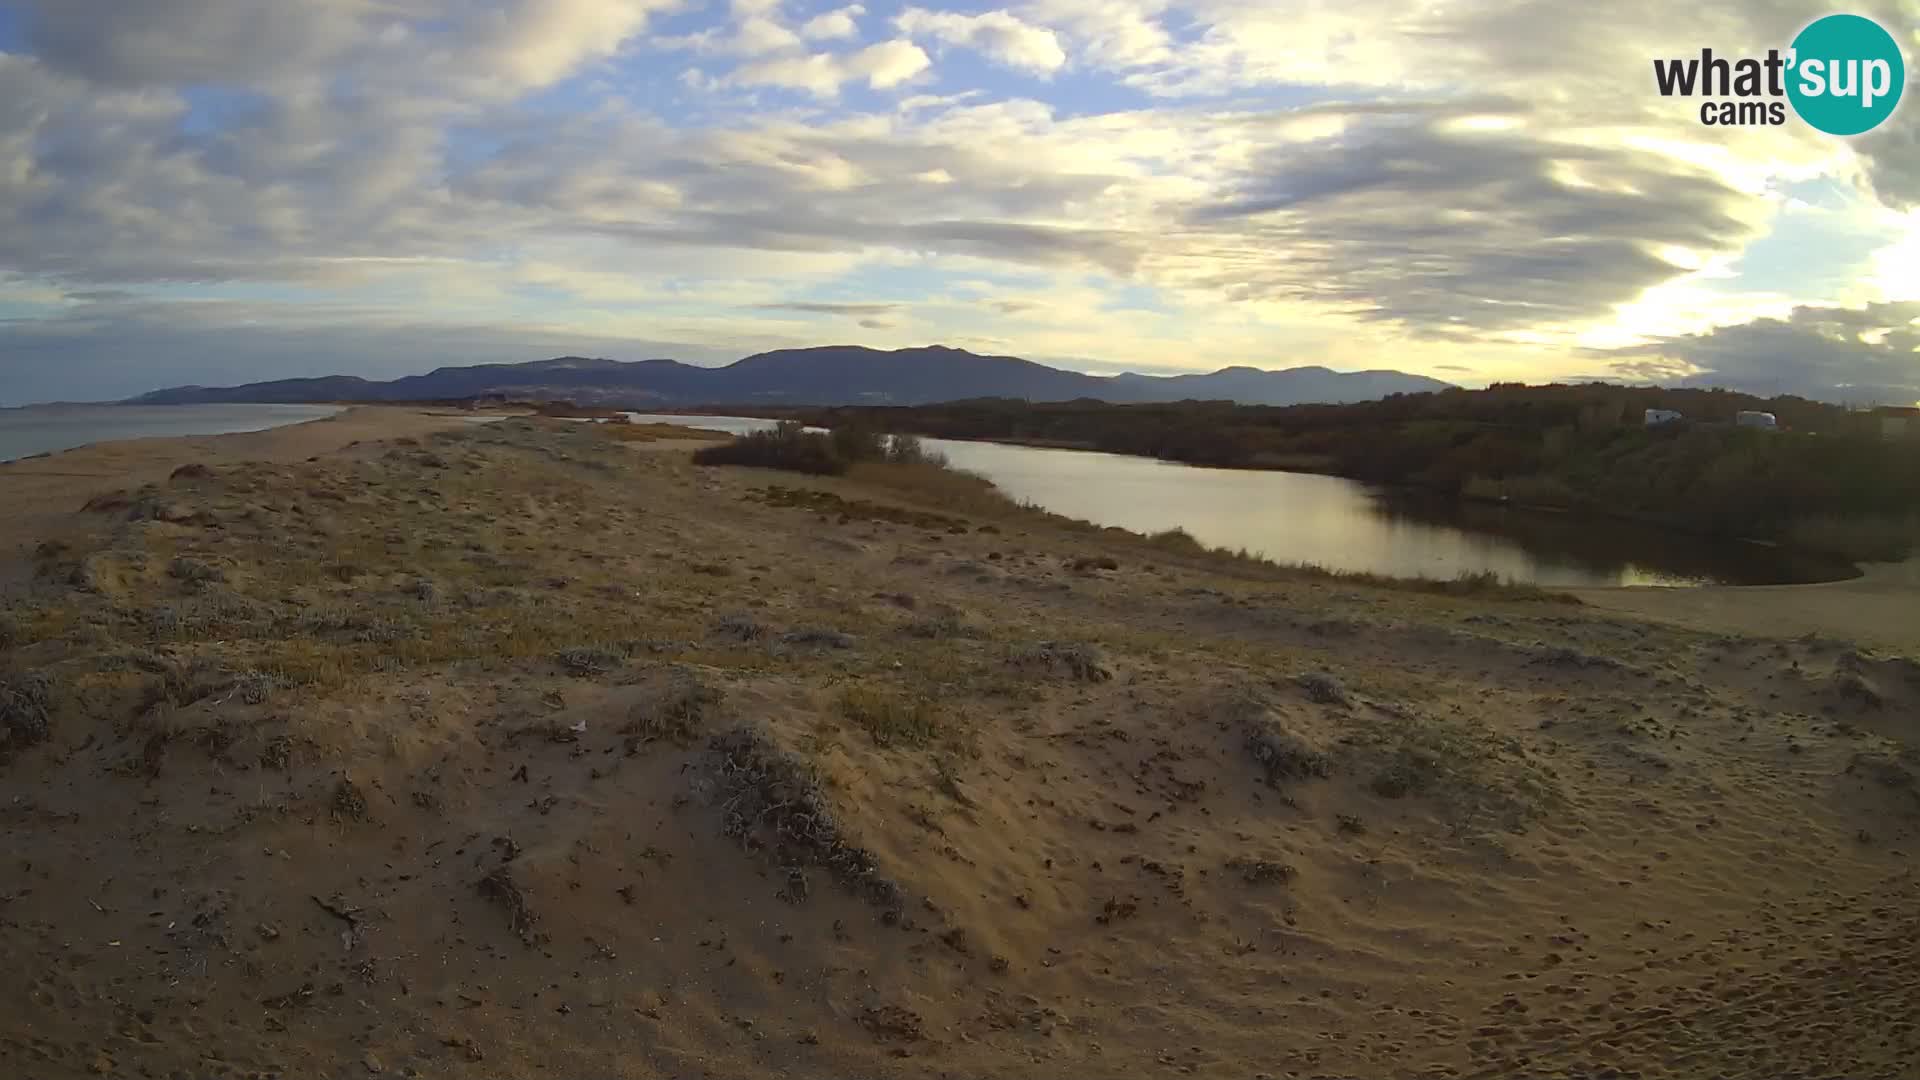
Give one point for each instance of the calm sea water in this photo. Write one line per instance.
(1344, 525)
(42, 429)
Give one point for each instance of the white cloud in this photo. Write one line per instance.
(834, 25)
(536, 42)
(756, 29)
(1003, 37)
(883, 66)
(1112, 33)
(759, 35)
(889, 63)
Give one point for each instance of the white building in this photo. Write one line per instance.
(1756, 419)
(1656, 417)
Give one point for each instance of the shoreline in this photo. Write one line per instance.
(1879, 609)
(32, 417)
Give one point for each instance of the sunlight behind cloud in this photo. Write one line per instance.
(1314, 183)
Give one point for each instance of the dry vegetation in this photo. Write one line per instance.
(627, 431)
(533, 748)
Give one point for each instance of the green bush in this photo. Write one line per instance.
(891, 717)
(909, 450)
(826, 453)
(789, 446)
(857, 442)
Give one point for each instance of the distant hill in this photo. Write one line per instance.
(828, 375)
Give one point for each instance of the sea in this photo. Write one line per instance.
(49, 429)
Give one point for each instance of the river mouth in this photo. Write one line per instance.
(1344, 525)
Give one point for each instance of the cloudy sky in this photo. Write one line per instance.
(216, 191)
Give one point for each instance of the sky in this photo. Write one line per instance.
(221, 191)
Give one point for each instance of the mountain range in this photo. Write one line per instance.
(827, 375)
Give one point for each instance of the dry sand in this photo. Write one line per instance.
(518, 751)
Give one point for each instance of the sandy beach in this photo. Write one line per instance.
(391, 744)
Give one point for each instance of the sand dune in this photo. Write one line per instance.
(517, 750)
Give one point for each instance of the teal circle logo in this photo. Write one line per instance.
(1845, 74)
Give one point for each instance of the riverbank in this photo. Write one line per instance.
(517, 749)
(1576, 448)
(1879, 609)
(1551, 546)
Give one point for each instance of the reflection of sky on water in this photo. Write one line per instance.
(1342, 525)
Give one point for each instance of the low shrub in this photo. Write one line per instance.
(792, 447)
(1281, 753)
(25, 710)
(890, 717)
(789, 446)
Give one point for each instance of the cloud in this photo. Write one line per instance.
(1117, 34)
(756, 30)
(758, 36)
(1407, 213)
(104, 185)
(833, 25)
(111, 351)
(484, 50)
(1222, 178)
(1892, 151)
(882, 66)
(1864, 355)
(1003, 37)
(187, 41)
(850, 310)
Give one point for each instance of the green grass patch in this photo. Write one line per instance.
(893, 718)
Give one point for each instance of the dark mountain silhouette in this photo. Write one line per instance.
(828, 375)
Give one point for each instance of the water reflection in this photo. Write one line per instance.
(1344, 525)
(1612, 551)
